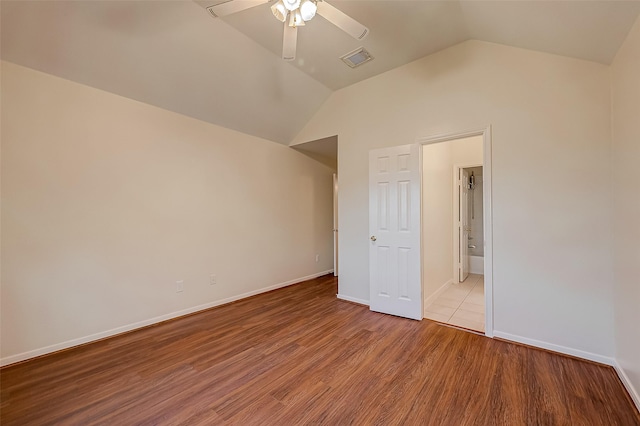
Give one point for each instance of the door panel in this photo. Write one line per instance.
(394, 225)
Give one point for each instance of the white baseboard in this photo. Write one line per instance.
(130, 327)
(556, 348)
(627, 384)
(429, 300)
(353, 299)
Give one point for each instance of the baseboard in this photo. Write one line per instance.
(140, 324)
(627, 384)
(353, 299)
(555, 348)
(437, 293)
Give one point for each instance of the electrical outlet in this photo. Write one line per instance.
(317, 257)
(179, 286)
(213, 280)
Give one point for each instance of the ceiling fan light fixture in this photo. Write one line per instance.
(298, 12)
(308, 9)
(279, 11)
(295, 19)
(291, 5)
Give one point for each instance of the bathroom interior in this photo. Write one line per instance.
(474, 202)
(453, 235)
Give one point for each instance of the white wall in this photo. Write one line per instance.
(438, 160)
(550, 119)
(437, 217)
(626, 155)
(466, 151)
(106, 202)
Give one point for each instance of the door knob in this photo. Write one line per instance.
(373, 238)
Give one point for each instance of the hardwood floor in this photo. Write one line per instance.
(301, 356)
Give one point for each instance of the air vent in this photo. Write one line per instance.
(357, 57)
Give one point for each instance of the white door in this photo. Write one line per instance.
(464, 226)
(394, 226)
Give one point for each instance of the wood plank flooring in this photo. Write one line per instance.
(300, 356)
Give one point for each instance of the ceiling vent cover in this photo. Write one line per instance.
(357, 57)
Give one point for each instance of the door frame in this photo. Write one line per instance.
(486, 210)
(335, 224)
(456, 210)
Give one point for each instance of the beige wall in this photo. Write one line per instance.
(626, 155)
(106, 202)
(437, 217)
(466, 151)
(550, 119)
(438, 160)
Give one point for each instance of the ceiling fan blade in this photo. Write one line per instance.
(343, 21)
(233, 6)
(289, 42)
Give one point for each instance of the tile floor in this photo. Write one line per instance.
(460, 304)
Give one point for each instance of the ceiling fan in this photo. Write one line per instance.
(294, 14)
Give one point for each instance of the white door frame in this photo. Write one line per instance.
(456, 211)
(335, 225)
(486, 209)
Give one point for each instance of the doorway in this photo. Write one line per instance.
(468, 235)
(456, 224)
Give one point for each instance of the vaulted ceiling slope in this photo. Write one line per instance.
(228, 71)
(403, 31)
(170, 54)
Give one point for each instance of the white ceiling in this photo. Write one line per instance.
(403, 31)
(166, 53)
(228, 71)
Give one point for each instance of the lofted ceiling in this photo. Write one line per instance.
(228, 71)
(403, 31)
